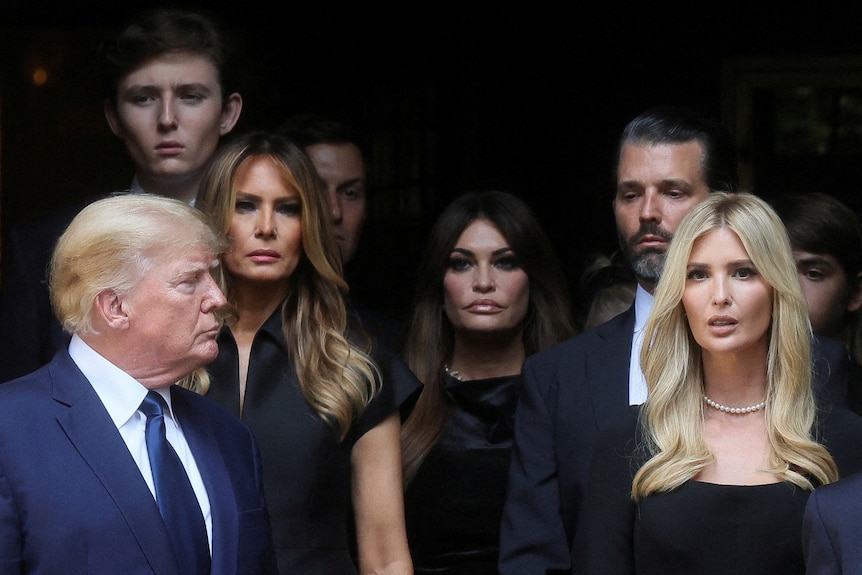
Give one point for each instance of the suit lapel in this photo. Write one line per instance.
(217, 480)
(608, 371)
(93, 434)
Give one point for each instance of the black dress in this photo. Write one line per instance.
(306, 470)
(455, 502)
(702, 528)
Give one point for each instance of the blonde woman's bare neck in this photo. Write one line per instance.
(738, 441)
(739, 445)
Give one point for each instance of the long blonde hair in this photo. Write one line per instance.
(337, 377)
(672, 416)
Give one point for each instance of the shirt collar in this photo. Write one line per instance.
(643, 305)
(136, 188)
(120, 393)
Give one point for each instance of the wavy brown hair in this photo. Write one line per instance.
(337, 377)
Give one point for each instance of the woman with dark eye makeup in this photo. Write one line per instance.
(490, 293)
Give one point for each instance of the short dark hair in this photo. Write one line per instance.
(309, 129)
(823, 224)
(676, 125)
(158, 31)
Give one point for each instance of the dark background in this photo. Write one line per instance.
(527, 97)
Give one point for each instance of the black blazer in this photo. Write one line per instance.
(568, 393)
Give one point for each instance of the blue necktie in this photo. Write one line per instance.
(174, 494)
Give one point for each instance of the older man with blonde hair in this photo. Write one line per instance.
(108, 465)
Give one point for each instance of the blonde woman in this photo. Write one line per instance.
(714, 474)
(323, 406)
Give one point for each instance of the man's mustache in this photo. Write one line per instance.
(650, 230)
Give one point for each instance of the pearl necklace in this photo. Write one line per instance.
(735, 410)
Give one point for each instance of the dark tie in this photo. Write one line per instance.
(174, 494)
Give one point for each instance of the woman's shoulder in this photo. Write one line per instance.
(399, 390)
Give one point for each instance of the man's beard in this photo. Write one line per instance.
(647, 264)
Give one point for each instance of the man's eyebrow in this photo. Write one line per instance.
(351, 182)
(812, 260)
(194, 86)
(676, 183)
(185, 87)
(193, 269)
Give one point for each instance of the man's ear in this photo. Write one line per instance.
(113, 120)
(855, 301)
(230, 113)
(112, 309)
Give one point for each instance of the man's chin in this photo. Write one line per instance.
(648, 267)
(206, 353)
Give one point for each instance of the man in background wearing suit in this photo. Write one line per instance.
(338, 153)
(831, 527)
(130, 279)
(669, 159)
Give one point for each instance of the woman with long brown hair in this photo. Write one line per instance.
(490, 293)
(323, 403)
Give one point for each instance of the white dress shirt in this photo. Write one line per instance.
(122, 395)
(637, 383)
(136, 188)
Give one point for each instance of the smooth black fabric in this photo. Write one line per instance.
(455, 501)
(306, 469)
(701, 528)
(175, 496)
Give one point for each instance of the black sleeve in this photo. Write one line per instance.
(399, 391)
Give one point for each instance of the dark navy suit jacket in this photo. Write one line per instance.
(72, 499)
(569, 393)
(832, 528)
